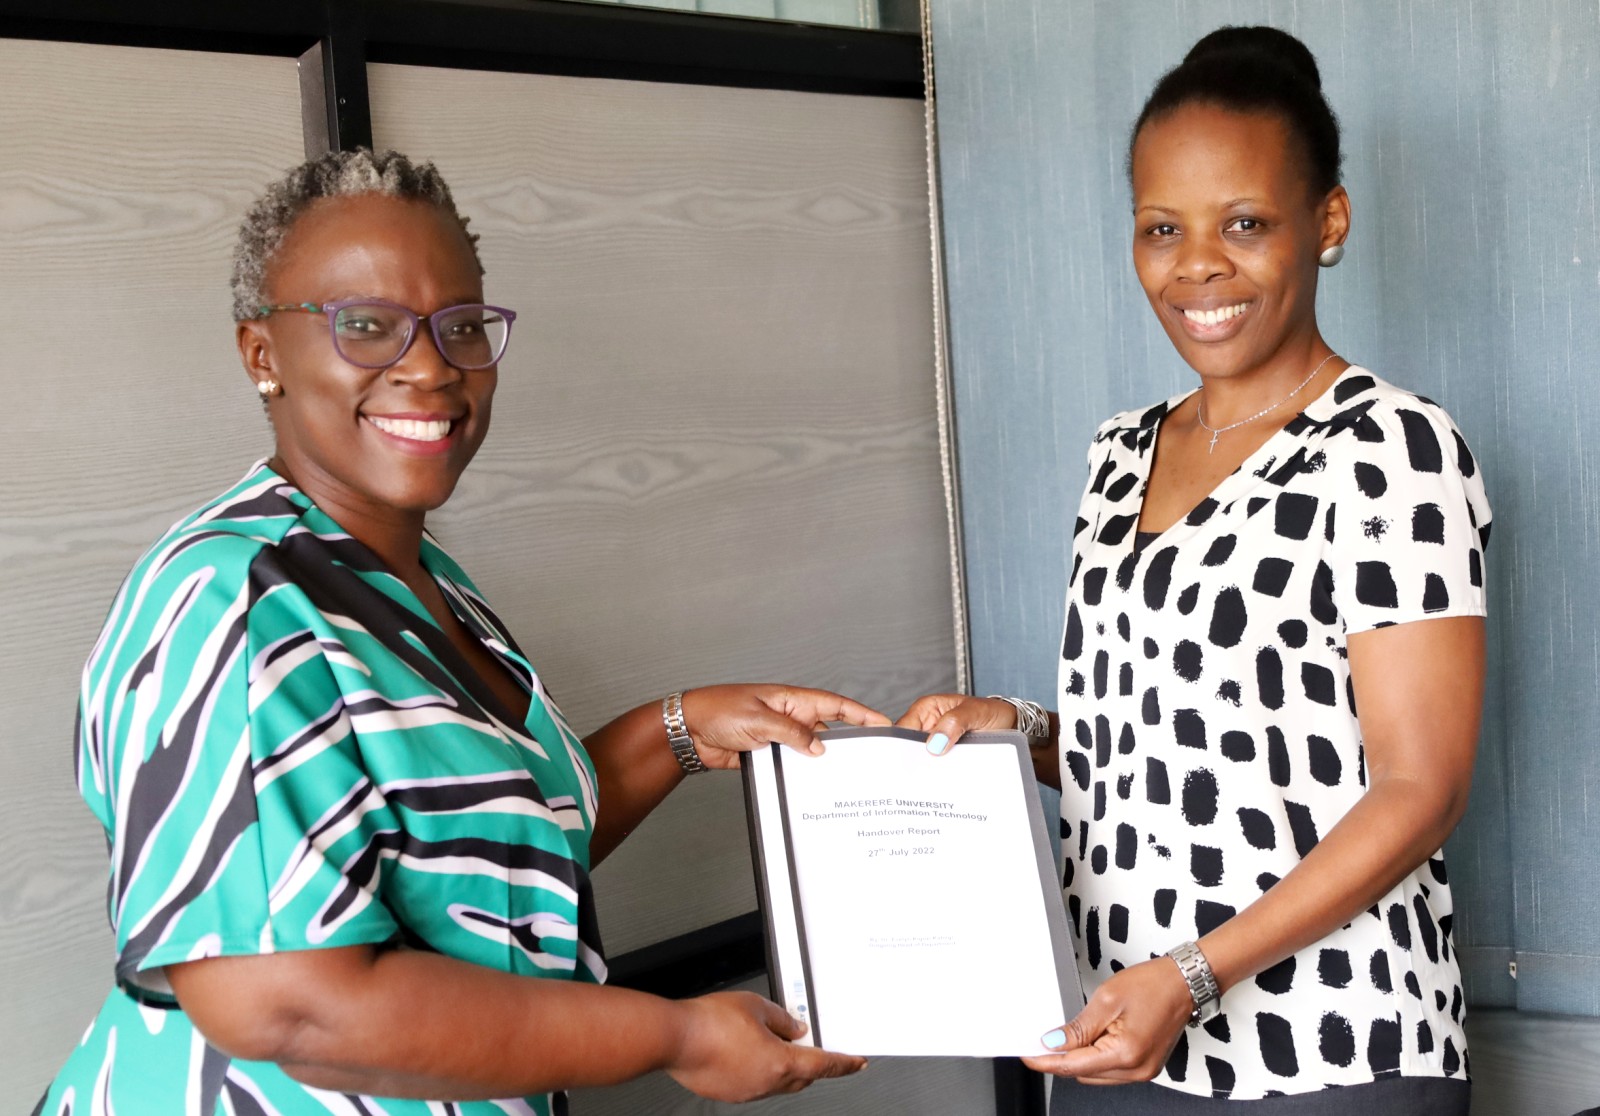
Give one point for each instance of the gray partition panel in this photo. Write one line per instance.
(714, 453)
(125, 407)
(1533, 1064)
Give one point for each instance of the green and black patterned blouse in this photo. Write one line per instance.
(286, 753)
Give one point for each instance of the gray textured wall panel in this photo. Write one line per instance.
(715, 452)
(125, 408)
(1473, 276)
(1542, 266)
(715, 449)
(1529, 1064)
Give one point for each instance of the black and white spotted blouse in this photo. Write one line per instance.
(1209, 734)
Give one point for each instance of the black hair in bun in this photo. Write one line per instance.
(1255, 70)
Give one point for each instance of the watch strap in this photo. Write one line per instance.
(678, 734)
(1201, 980)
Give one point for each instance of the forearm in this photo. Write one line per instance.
(636, 765)
(635, 769)
(1395, 827)
(1419, 687)
(411, 1024)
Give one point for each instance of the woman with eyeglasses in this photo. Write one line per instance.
(1273, 657)
(350, 832)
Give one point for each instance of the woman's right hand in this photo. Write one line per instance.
(737, 1046)
(948, 717)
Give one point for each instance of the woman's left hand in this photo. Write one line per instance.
(726, 720)
(1127, 1030)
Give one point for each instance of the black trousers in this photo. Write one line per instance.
(1393, 1096)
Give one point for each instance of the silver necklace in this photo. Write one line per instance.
(1218, 431)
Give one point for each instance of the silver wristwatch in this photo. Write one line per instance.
(1202, 982)
(678, 734)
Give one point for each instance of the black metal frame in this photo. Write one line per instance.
(335, 39)
(1018, 1091)
(525, 36)
(712, 957)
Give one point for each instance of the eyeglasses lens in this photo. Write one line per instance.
(371, 336)
(375, 335)
(471, 336)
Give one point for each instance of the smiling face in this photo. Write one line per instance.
(1226, 238)
(370, 445)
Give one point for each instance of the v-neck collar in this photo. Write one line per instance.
(438, 565)
(1254, 468)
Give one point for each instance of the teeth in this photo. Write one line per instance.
(1215, 317)
(417, 431)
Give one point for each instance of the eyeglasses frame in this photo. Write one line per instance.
(332, 309)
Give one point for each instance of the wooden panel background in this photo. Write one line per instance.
(123, 175)
(715, 453)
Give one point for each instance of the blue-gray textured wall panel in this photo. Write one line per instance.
(1472, 131)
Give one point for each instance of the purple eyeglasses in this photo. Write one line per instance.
(372, 333)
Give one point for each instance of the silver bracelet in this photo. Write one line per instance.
(1032, 720)
(1201, 980)
(678, 734)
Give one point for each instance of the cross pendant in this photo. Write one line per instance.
(1215, 434)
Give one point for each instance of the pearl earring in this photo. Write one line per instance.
(268, 387)
(1331, 255)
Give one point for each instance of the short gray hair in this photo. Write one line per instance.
(338, 174)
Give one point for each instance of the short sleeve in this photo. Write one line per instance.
(1102, 461)
(215, 746)
(1411, 520)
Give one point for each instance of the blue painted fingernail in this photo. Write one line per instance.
(938, 743)
(1055, 1038)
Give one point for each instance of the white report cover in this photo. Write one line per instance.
(910, 900)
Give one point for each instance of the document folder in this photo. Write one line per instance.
(910, 901)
